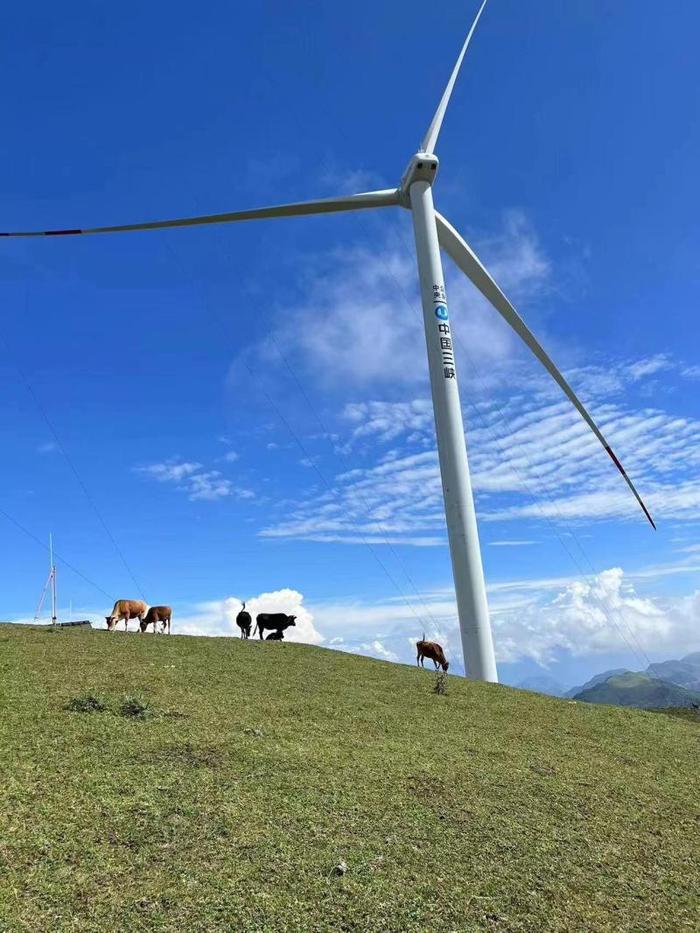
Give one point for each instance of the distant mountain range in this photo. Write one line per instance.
(594, 681)
(639, 689)
(542, 683)
(663, 684)
(685, 673)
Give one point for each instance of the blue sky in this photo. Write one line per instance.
(246, 406)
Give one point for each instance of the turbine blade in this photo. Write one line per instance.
(465, 258)
(353, 202)
(430, 138)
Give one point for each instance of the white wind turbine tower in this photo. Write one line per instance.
(432, 231)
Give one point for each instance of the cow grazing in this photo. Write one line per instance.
(276, 621)
(126, 609)
(244, 622)
(275, 636)
(431, 649)
(156, 614)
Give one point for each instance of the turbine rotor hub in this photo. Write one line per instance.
(422, 167)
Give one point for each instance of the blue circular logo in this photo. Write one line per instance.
(441, 312)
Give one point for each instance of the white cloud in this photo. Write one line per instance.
(537, 619)
(510, 543)
(360, 322)
(531, 457)
(359, 329)
(171, 471)
(209, 486)
(218, 617)
(399, 499)
(192, 478)
(376, 649)
(649, 366)
(515, 259)
(603, 614)
(389, 420)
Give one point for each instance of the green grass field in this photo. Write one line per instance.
(260, 767)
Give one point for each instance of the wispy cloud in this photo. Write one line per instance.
(398, 500)
(360, 324)
(510, 543)
(199, 483)
(48, 448)
(209, 486)
(171, 471)
(532, 457)
(358, 331)
(649, 366)
(344, 181)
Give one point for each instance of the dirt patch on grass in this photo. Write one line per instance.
(185, 754)
(439, 796)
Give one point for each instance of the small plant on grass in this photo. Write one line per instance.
(135, 707)
(440, 685)
(87, 703)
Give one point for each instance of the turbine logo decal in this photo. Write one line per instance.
(441, 312)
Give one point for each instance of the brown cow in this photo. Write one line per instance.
(126, 609)
(431, 649)
(155, 614)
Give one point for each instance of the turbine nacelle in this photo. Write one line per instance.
(422, 167)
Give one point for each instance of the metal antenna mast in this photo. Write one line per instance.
(50, 583)
(52, 577)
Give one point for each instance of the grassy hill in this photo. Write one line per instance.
(257, 768)
(640, 690)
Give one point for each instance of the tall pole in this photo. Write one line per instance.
(470, 588)
(52, 577)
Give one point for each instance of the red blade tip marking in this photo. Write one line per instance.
(617, 463)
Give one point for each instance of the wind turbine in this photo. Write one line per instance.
(432, 231)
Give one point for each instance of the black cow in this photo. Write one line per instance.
(275, 636)
(276, 621)
(244, 622)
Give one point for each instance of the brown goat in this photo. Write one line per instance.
(431, 649)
